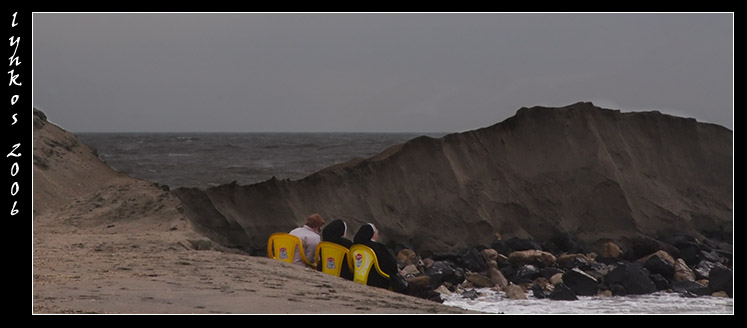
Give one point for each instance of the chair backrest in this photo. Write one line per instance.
(363, 259)
(281, 246)
(331, 256)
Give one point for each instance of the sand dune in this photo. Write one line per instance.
(597, 173)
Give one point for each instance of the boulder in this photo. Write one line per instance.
(478, 280)
(704, 267)
(660, 263)
(641, 246)
(507, 269)
(611, 250)
(490, 256)
(407, 257)
(443, 271)
(525, 274)
(661, 254)
(419, 283)
(570, 243)
(580, 282)
(428, 262)
(514, 292)
(679, 240)
(548, 272)
(711, 256)
(544, 283)
(633, 277)
(497, 277)
(472, 260)
(605, 293)
(562, 293)
(471, 294)
(618, 290)
(500, 259)
(721, 279)
(682, 272)
(570, 261)
(442, 290)
(720, 294)
(692, 287)
(660, 282)
(690, 254)
(557, 278)
(539, 292)
(410, 270)
(530, 257)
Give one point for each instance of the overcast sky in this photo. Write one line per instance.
(367, 72)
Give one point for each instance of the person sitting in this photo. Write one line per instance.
(335, 232)
(368, 235)
(309, 235)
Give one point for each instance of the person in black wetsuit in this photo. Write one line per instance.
(335, 232)
(367, 235)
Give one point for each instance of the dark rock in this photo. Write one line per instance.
(507, 269)
(618, 290)
(562, 293)
(570, 243)
(580, 282)
(472, 260)
(690, 254)
(659, 265)
(442, 271)
(643, 246)
(525, 274)
(599, 270)
(548, 272)
(571, 261)
(660, 282)
(539, 293)
(711, 256)
(471, 294)
(633, 277)
(721, 279)
(725, 255)
(500, 247)
(679, 240)
(417, 286)
(518, 244)
(704, 267)
(690, 287)
(607, 260)
(551, 247)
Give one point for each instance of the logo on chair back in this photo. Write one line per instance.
(330, 263)
(358, 260)
(283, 253)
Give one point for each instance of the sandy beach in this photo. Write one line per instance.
(107, 243)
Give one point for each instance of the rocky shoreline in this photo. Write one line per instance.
(565, 268)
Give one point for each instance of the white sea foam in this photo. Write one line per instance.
(491, 301)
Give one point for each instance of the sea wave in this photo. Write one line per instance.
(491, 301)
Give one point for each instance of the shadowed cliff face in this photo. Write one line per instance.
(598, 173)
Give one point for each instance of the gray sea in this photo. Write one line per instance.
(209, 159)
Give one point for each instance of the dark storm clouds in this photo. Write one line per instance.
(371, 72)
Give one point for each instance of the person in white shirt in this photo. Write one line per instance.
(310, 237)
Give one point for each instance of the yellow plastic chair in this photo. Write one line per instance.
(363, 259)
(281, 246)
(331, 256)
